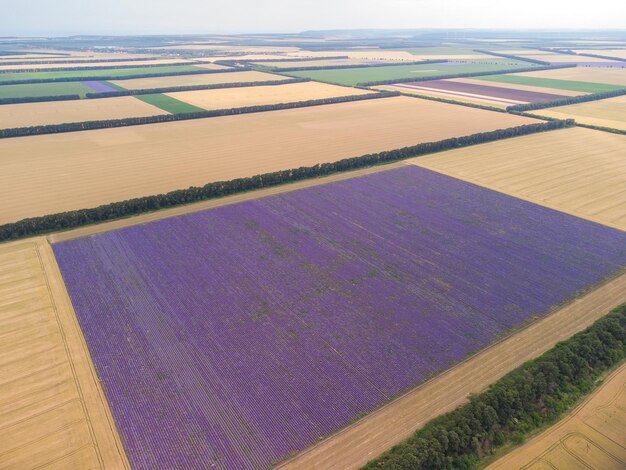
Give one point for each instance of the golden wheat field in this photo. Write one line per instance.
(197, 79)
(593, 436)
(611, 76)
(52, 408)
(610, 112)
(577, 171)
(259, 95)
(60, 112)
(54, 173)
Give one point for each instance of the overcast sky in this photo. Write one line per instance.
(64, 17)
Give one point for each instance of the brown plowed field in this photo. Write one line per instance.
(592, 436)
(366, 439)
(54, 173)
(52, 409)
(578, 171)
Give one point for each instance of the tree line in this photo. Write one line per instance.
(37, 99)
(295, 59)
(598, 56)
(449, 101)
(567, 100)
(514, 57)
(136, 121)
(463, 75)
(116, 210)
(95, 67)
(355, 66)
(530, 397)
(117, 77)
(78, 61)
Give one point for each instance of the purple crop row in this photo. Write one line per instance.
(233, 337)
(97, 86)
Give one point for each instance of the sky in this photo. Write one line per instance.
(67, 17)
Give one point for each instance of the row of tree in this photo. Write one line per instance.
(296, 59)
(567, 100)
(136, 121)
(116, 210)
(513, 57)
(94, 67)
(449, 101)
(463, 75)
(78, 61)
(356, 66)
(532, 396)
(598, 56)
(118, 77)
(37, 99)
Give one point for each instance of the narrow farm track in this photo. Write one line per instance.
(52, 410)
(359, 443)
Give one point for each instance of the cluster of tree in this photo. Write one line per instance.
(530, 397)
(94, 67)
(117, 77)
(78, 61)
(357, 66)
(148, 91)
(567, 100)
(514, 57)
(116, 210)
(463, 75)
(136, 121)
(36, 99)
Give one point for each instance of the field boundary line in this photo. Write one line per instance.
(365, 439)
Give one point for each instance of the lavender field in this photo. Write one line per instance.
(233, 337)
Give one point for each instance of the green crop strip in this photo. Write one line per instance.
(169, 104)
(585, 87)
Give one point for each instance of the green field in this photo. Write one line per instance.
(354, 76)
(44, 89)
(169, 104)
(443, 50)
(80, 74)
(585, 87)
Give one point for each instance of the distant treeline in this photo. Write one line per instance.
(213, 86)
(532, 396)
(77, 61)
(294, 59)
(136, 121)
(37, 99)
(117, 77)
(116, 210)
(567, 100)
(355, 66)
(104, 67)
(514, 57)
(598, 56)
(462, 75)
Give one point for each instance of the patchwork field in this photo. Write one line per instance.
(60, 112)
(44, 89)
(8, 77)
(259, 95)
(138, 63)
(593, 436)
(610, 112)
(577, 171)
(598, 75)
(369, 290)
(52, 409)
(557, 83)
(354, 76)
(54, 173)
(200, 79)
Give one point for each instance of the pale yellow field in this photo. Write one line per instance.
(197, 79)
(561, 58)
(610, 112)
(53, 173)
(60, 112)
(577, 171)
(211, 66)
(465, 98)
(250, 57)
(137, 63)
(257, 95)
(612, 76)
(537, 89)
(592, 437)
(621, 53)
(314, 63)
(53, 412)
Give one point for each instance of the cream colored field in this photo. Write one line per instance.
(610, 112)
(197, 79)
(54, 173)
(577, 171)
(461, 97)
(137, 63)
(612, 76)
(621, 53)
(314, 63)
(210, 66)
(250, 57)
(537, 89)
(53, 412)
(354, 446)
(258, 95)
(60, 112)
(592, 437)
(562, 58)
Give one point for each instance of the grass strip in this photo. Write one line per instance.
(169, 104)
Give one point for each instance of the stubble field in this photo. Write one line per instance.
(610, 112)
(201, 79)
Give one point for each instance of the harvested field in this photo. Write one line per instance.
(593, 436)
(611, 76)
(138, 63)
(562, 58)
(210, 66)
(55, 173)
(59, 112)
(256, 367)
(434, 93)
(621, 53)
(44, 89)
(201, 79)
(610, 112)
(577, 171)
(258, 95)
(318, 63)
(52, 409)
